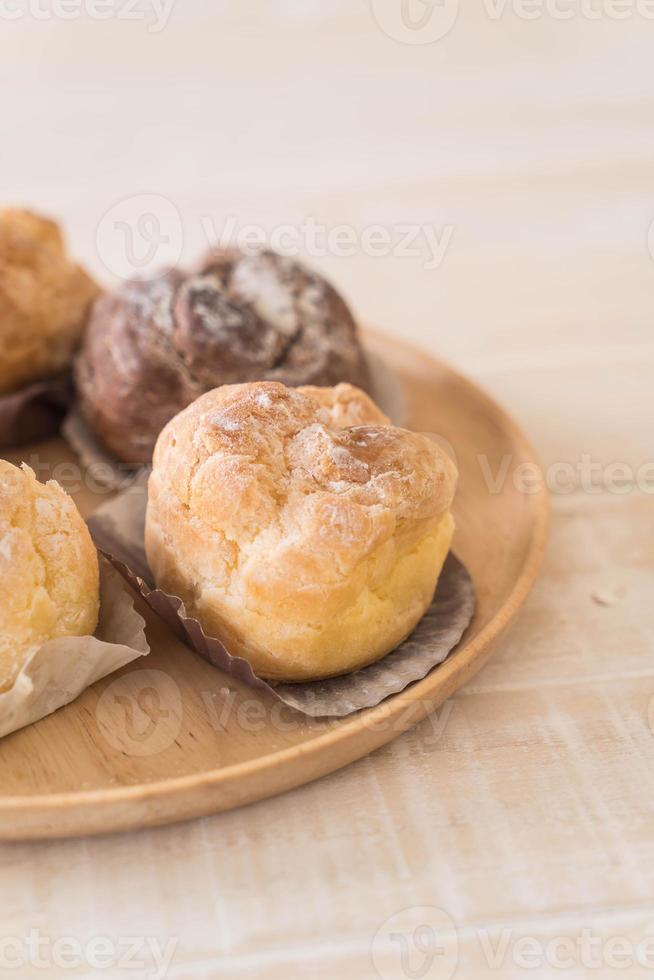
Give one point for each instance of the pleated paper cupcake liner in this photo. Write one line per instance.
(61, 669)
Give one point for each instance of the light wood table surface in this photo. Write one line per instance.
(524, 810)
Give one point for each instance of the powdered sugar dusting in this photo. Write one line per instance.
(258, 283)
(6, 546)
(227, 424)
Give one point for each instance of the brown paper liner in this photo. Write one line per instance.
(386, 391)
(35, 412)
(106, 470)
(118, 531)
(58, 672)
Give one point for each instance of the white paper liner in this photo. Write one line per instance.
(61, 669)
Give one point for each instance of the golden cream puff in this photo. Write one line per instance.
(49, 578)
(298, 525)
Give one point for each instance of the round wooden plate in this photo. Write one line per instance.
(167, 739)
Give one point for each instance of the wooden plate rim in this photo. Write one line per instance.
(422, 692)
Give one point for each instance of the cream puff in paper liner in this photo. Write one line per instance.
(61, 669)
(118, 531)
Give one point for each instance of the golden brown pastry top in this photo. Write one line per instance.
(44, 300)
(48, 568)
(298, 525)
(313, 471)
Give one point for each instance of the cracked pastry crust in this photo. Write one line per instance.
(152, 348)
(44, 300)
(49, 579)
(298, 525)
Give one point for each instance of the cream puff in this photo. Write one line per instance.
(298, 525)
(49, 578)
(44, 300)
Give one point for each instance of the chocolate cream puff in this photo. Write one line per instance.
(152, 348)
